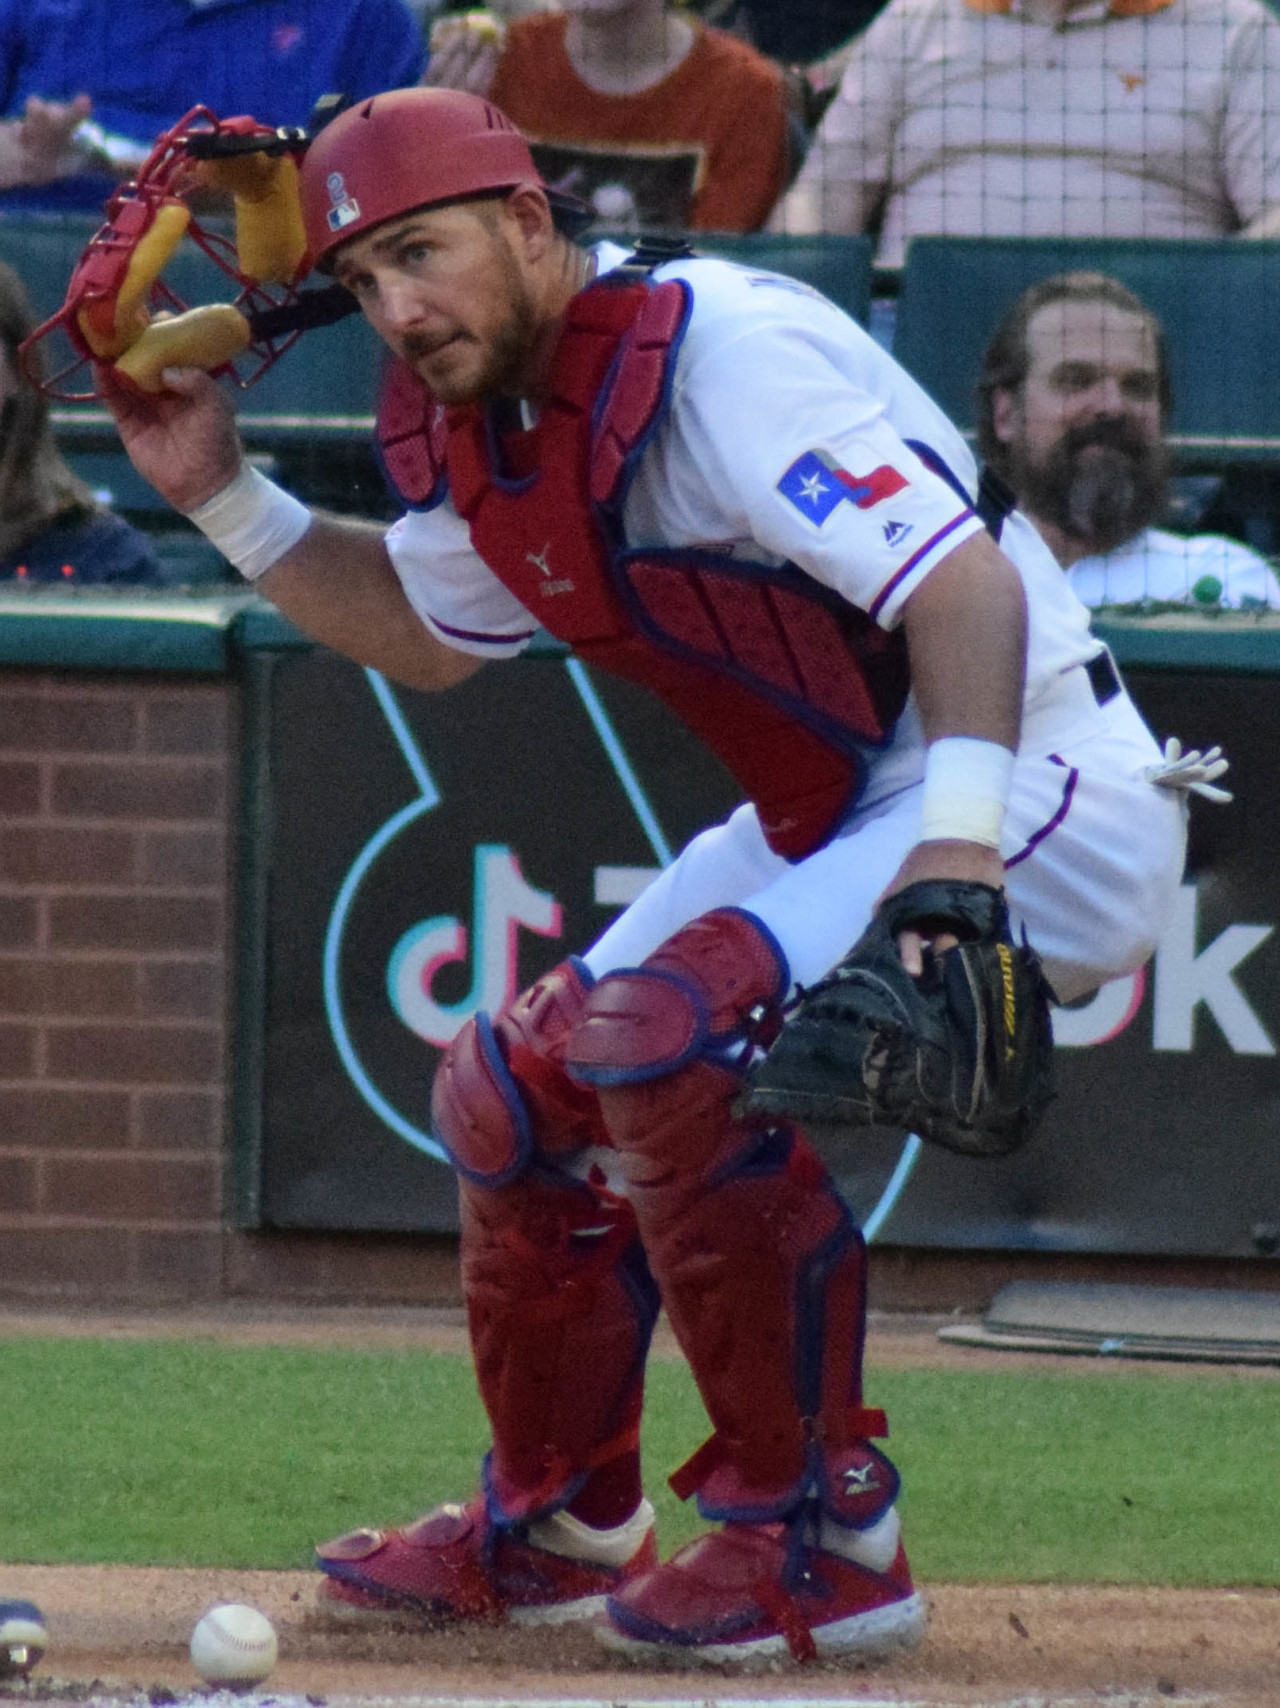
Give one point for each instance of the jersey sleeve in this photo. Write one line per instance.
(452, 589)
(803, 460)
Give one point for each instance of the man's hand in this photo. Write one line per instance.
(969, 862)
(961, 1055)
(37, 148)
(183, 439)
(465, 50)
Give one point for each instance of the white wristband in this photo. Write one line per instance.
(966, 789)
(253, 522)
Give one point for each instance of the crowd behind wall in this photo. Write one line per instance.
(1079, 119)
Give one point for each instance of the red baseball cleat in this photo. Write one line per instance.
(735, 1595)
(457, 1564)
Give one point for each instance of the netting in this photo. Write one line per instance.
(926, 163)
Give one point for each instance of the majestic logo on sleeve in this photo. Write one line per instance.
(815, 483)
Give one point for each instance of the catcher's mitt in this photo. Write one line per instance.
(961, 1055)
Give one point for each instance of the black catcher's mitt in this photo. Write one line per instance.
(962, 1055)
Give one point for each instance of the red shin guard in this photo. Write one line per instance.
(560, 1307)
(559, 1299)
(759, 1264)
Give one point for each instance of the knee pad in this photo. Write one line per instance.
(714, 990)
(501, 1091)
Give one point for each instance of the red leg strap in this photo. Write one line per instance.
(781, 1608)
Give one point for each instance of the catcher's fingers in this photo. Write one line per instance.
(1193, 772)
(911, 946)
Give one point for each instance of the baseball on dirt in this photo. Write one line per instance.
(233, 1645)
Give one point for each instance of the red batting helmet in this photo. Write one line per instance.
(403, 150)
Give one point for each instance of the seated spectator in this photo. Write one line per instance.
(1049, 118)
(657, 120)
(51, 526)
(86, 86)
(1072, 407)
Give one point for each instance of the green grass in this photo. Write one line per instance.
(171, 1453)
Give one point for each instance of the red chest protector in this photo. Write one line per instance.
(784, 680)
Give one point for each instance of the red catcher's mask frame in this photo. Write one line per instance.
(168, 176)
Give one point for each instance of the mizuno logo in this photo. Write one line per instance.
(1005, 958)
(861, 1480)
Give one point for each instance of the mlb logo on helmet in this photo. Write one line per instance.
(345, 209)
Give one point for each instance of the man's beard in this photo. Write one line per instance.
(508, 348)
(1101, 484)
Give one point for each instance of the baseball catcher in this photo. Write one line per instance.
(711, 482)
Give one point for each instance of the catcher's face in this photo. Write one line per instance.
(451, 290)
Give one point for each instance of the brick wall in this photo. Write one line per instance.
(113, 925)
(116, 904)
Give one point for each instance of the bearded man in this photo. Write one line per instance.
(1073, 405)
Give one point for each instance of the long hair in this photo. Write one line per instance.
(1007, 361)
(36, 486)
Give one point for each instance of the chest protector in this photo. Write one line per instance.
(786, 682)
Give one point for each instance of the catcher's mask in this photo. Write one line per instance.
(119, 311)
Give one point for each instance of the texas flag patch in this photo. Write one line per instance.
(815, 483)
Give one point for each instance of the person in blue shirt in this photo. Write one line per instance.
(51, 526)
(86, 86)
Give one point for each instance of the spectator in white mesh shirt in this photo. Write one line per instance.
(1043, 118)
(1072, 405)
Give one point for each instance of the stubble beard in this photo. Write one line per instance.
(506, 352)
(1101, 484)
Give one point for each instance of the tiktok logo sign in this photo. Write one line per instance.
(481, 850)
(504, 901)
(1184, 980)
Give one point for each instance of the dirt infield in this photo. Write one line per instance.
(122, 1632)
(128, 1627)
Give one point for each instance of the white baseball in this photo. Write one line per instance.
(234, 1645)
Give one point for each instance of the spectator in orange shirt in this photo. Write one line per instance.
(658, 120)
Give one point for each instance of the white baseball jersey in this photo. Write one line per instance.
(1163, 566)
(776, 391)
(787, 440)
